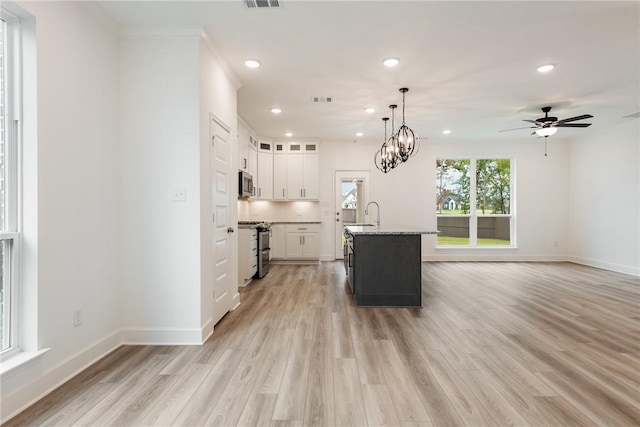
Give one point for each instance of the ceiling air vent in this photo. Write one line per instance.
(321, 99)
(259, 4)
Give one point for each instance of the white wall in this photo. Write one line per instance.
(160, 134)
(407, 194)
(72, 218)
(604, 223)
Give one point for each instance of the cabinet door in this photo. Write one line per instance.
(294, 245)
(277, 241)
(265, 176)
(310, 245)
(253, 168)
(295, 176)
(311, 172)
(279, 177)
(243, 147)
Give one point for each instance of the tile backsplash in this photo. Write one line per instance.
(278, 211)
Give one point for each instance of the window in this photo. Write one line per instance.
(9, 236)
(473, 202)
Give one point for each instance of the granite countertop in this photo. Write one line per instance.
(295, 222)
(386, 229)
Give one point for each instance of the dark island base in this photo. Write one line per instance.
(387, 270)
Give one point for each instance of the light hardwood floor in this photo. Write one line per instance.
(495, 344)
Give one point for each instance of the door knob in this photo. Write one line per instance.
(230, 230)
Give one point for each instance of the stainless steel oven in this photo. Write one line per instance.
(264, 249)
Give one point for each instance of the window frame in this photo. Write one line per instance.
(473, 214)
(10, 231)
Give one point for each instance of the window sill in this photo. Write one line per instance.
(19, 362)
(475, 247)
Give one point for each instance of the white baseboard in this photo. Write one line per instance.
(626, 269)
(153, 336)
(493, 258)
(44, 383)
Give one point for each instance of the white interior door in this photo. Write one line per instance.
(220, 177)
(351, 195)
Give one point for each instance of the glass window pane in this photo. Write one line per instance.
(493, 186)
(3, 126)
(494, 231)
(452, 187)
(454, 230)
(5, 297)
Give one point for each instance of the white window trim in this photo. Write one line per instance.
(473, 215)
(12, 163)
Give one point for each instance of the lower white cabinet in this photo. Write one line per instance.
(295, 242)
(301, 241)
(247, 255)
(277, 242)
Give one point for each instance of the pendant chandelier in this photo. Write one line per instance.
(406, 138)
(385, 159)
(400, 146)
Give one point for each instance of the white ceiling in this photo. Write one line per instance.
(469, 66)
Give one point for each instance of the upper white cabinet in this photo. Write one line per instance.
(279, 176)
(302, 176)
(265, 171)
(243, 147)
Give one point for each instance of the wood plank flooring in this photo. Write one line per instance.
(540, 344)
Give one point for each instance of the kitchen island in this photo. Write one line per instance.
(383, 265)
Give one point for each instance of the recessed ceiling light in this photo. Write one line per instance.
(370, 110)
(276, 110)
(391, 62)
(252, 63)
(446, 131)
(546, 68)
(359, 134)
(288, 134)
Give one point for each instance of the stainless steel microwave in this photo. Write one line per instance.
(245, 185)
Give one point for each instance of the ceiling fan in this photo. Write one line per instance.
(547, 126)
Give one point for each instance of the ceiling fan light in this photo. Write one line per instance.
(548, 131)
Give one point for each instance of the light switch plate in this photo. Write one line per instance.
(179, 194)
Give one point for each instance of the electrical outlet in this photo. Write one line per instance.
(77, 317)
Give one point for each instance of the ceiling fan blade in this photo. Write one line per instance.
(527, 127)
(572, 125)
(530, 121)
(573, 119)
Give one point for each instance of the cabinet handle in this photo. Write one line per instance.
(245, 163)
(300, 240)
(283, 192)
(304, 240)
(301, 192)
(259, 192)
(349, 260)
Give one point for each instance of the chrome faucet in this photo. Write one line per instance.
(366, 211)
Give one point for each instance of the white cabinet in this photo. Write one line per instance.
(243, 147)
(279, 176)
(277, 242)
(253, 167)
(247, 255)
(265, 171)
(302, 241)
(302, 176)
